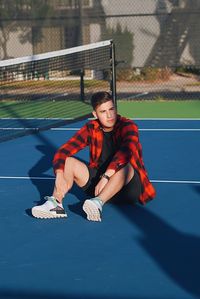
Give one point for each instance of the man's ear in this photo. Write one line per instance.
(94, 113)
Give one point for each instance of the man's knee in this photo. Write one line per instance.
(70, 160)
(70, 163)
(77, 170)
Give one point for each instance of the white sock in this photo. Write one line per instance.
(54, 199)
(98, 202)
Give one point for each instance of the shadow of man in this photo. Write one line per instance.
(177, 253)
(196, 188)
(38, 173)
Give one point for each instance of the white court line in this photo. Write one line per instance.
(25, 178)
(169, 130)
(137, 95)
(36, 118)
(64, 129)
(52, 178)
(76, 129)
(91, 118)
(156, 118)
(37, 129)
(168, 119)
(20, 129)
(175, 182)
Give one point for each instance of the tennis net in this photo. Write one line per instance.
(46, 90)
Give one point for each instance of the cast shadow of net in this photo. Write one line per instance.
(175, 252)
(7, 294)
(196, 188)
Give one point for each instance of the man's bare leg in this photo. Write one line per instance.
(116, 183)
(74, 171)
(93, 207)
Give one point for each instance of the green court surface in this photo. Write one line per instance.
(74, 109)
(44, 109)
(160, 109)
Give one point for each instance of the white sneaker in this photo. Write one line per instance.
(93, 209)
(50, 209)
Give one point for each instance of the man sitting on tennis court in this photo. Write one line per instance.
(115, 170)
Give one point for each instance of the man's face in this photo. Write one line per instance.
(107, 115)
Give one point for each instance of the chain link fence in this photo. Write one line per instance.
(157, 41)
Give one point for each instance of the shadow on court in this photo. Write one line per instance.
(196, 188)
(44, 187)
(175, 252)
(23, 295)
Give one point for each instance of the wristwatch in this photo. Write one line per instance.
(105, 176)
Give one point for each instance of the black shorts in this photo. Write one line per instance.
(129, 193)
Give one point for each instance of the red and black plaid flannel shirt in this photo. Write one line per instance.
(128, 147)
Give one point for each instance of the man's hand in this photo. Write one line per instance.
(101, 184)
(103, 181)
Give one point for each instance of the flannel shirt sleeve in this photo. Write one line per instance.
(130, 150)
(77, 142)
(129, 147)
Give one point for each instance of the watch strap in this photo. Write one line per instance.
(105, 176)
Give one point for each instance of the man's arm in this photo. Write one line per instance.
(129, 148)
(70, 148)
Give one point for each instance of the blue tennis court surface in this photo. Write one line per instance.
(136, 252)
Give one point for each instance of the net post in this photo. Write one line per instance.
(82, 92)
(113, 73)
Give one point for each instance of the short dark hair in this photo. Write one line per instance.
(99, 98)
